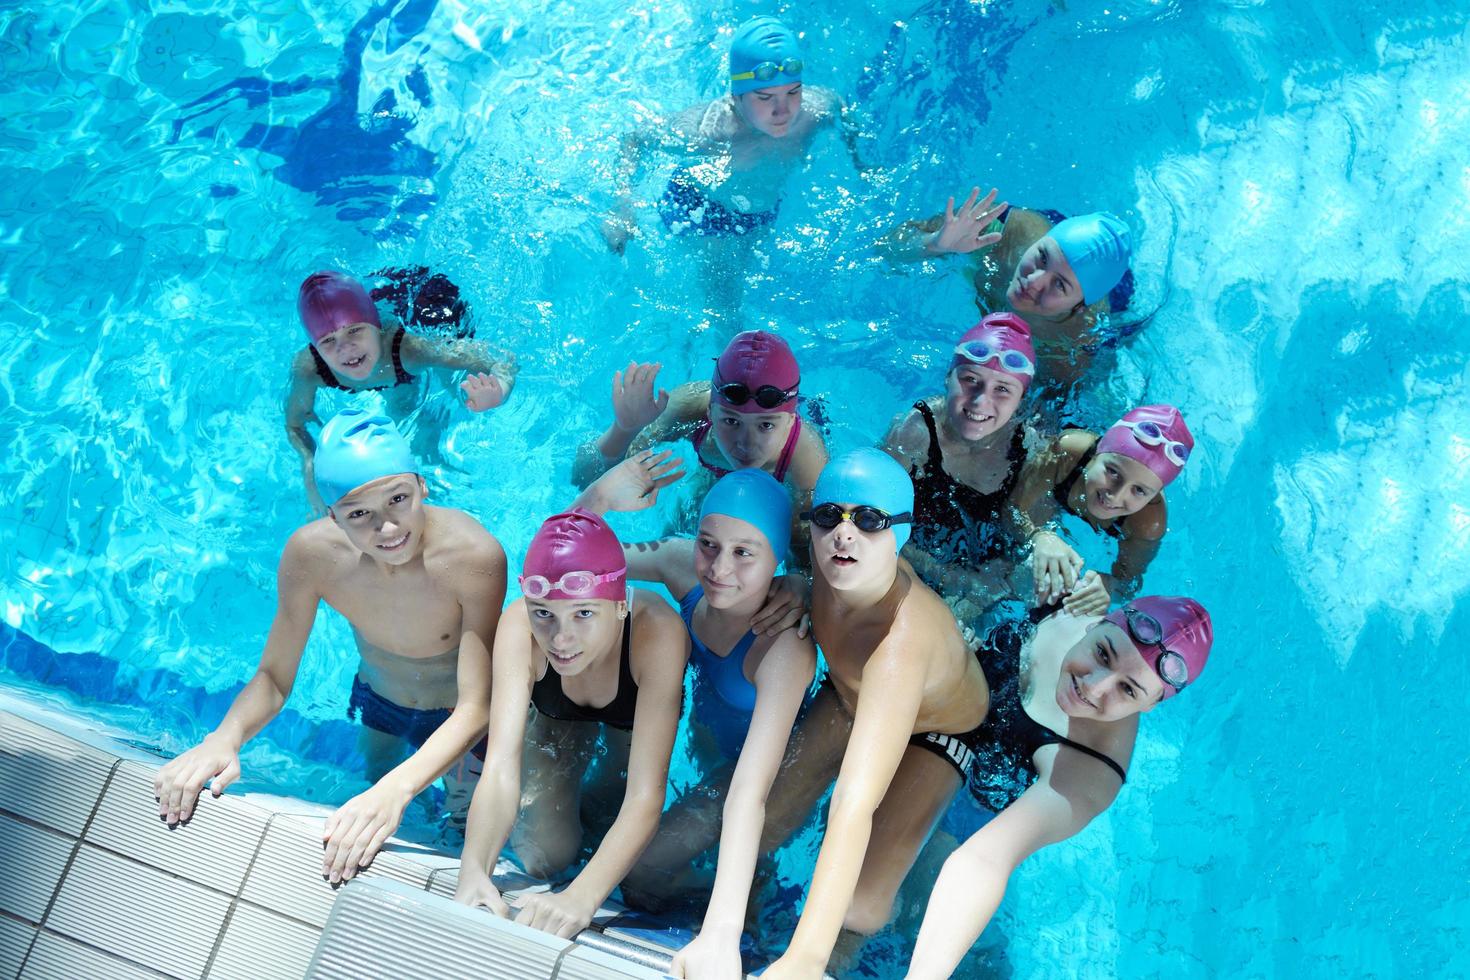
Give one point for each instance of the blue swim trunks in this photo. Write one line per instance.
(414, 725)
(684, 208)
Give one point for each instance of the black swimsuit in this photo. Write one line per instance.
(552, 702)
(329, 380)
(953, 521)
(1062, 492)
(1004, 763)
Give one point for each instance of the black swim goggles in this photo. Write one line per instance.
(766, 396)
(767, 70)
(863, 517)
(1171, 667)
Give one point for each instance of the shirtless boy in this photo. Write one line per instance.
(902, 749)
(422, 588)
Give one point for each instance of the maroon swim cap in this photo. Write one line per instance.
(754, 360)
(329, 301)
(1155, 435)
(575, 555)
(1173, 634)
(1001, 342)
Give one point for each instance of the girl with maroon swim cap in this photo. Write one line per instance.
(744, 417)
(964, 449)
(601, 663)
(1115, 483)
(1065, 698)
(348, 341)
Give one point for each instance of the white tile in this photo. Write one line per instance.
(32, 860)
(49, 778)
(261, 945)
(214, 849)
(139, 913)
(585, 963)
(57, 958)
(287, 874)
(15, 942)
(386, 931)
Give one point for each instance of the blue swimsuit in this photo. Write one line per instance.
(723, 699)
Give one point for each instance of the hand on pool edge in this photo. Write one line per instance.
(354, 833)
(476, 890)
(180, 781)
(712, 955)
(560, 913)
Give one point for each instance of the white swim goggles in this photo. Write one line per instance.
(574, 584)
(1152, 434)
(979, 352)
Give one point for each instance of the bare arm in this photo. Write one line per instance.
(973, 880)
(353, 835)
(639, 420)
(464, 354)
(667, 561)
(1142, 534)
(966, 230)
(497, 798)
(301, 409)
(217, 758)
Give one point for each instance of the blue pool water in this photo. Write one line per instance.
(1296, 176)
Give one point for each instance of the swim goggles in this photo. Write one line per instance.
(574, 584)
(863, 517)
(1152, 434)
(980, 351)
(1170, 666)
(767, 70)
(766, 396)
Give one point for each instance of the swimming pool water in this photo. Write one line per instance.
(1296, 178)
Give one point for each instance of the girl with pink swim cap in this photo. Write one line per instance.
(1064, 707)
(1056, 272)
(595, 658)
(748, 406)
(965, 449)
(1116, 484)
(348, 339)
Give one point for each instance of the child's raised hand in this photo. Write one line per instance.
(964, 230)
(482, 391)
(634, 483)
(634, 404)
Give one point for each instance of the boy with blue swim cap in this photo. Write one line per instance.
(422, 589)
(903, 746)
(751, 674)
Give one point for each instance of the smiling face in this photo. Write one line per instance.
(750, 439)
(352, 351)
(575, 633)
(1103, 677)
(771, 110)
(385, 519)
(852, 559)
(1117, 485)
(733, 560)
(979, 400)
(1044, 284)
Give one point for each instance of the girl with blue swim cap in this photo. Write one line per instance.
(750, 681)
(1063, 275)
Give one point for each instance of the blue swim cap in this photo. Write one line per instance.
(1098, 246)
(356, 448)
(872, 477)
(757, 41)
(753, 496)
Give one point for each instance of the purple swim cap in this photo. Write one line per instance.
(1001, 342)
(1155, 435)
(329, 301)
(1173, 635)
(575, 555)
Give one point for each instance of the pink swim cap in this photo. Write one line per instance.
(757, 373)
(1001, 342)
(1173, 634)
(330, 301)
(575, 555)
(1155, 435)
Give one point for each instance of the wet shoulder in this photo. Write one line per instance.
(1150, 523)
(315, 549)
(458, 540)
(659, 639)
(908, 437)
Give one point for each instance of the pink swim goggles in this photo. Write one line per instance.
(573, 584)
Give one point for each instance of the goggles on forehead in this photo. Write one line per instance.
(863, 517)
(767, 70)
(980, 352)
(1171, 667)
(574, 584)
(1152, 434)
(766, 396)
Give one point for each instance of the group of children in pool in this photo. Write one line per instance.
(560, 711)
